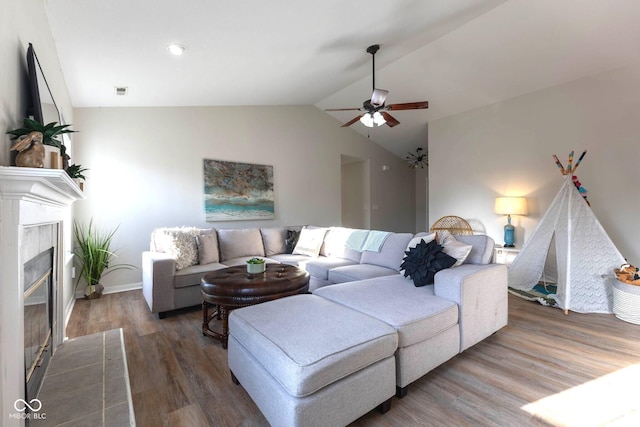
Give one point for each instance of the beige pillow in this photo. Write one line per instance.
(180, 243)
(310, 241)
(207, 248)
(460, 251)
(414, 242)
(242, 242)
(275, 240)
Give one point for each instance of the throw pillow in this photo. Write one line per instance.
(414, 242)
(422, 262)
(240, 242)
(460, 251)
(180, 243)
(274, 240)
(207, 248)
(310, 241)
(292, 239)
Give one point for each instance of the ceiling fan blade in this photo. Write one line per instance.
(391, 121)
(341, 109)
(352, 121)
(408, 106)
(378, 97)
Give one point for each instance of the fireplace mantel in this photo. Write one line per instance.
(30, 199)
(48, 186)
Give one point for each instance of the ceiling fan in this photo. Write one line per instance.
(375, 110)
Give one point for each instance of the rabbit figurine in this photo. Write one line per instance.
(30, 151)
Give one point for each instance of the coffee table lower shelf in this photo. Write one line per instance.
(232, 287)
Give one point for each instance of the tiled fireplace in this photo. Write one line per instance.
(35, 224)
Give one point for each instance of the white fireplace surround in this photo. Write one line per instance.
(30, 198)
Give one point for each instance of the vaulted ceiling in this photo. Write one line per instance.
(457, 54)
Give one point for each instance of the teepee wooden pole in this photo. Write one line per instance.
(578, 162)
(562, 171)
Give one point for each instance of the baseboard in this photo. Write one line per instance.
(114, 289)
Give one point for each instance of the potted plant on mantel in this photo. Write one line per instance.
(50, 134)
(94, 256)
(75, 172)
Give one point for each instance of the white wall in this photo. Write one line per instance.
(355, 194)
(507, 148)
(422, 199)
(145, 169)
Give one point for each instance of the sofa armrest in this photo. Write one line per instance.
(481, 292)
(158, 270)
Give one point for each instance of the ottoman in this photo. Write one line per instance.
(306, 361)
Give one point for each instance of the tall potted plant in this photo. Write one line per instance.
(94, 256)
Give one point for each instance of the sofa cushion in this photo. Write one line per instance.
(274, 240)
(319, 267)
(351, 273)
(191, 276)
(391, 253)
(291, 259)
(207, 248)
(415, 313)
(335, 244)
(243, 260)
(482, 250)
(310, 241)
(236, 243)
(305, 359)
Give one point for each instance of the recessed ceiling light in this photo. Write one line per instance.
(176, 49)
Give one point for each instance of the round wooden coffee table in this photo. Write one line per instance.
(233, 287)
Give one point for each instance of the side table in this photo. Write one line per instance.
(502, 255)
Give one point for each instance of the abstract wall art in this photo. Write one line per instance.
(237, 191)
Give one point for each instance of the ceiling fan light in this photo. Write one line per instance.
(367, 120)
(176, 49)
(378, 119)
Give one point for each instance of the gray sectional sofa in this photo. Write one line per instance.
(431, 324)
(178, 258)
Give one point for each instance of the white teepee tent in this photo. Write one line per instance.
(585, 255)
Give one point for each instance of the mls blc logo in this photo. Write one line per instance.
(21, 405)
(34, 406)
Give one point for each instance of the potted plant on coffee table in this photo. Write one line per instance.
(94, 256)
(255, 265)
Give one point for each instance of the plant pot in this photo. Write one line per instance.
(80, 183)
(52, 159)
(255, 268)
(93, 291)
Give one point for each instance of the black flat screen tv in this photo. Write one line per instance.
(43, 108)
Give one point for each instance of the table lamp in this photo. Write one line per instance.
(510, 206)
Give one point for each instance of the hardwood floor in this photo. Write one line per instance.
(544, 368)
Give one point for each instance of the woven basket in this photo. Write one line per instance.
(454, 224)
(626, 302)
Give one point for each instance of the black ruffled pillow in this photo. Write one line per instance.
(424, 261)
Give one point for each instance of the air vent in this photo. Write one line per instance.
(121, 90)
